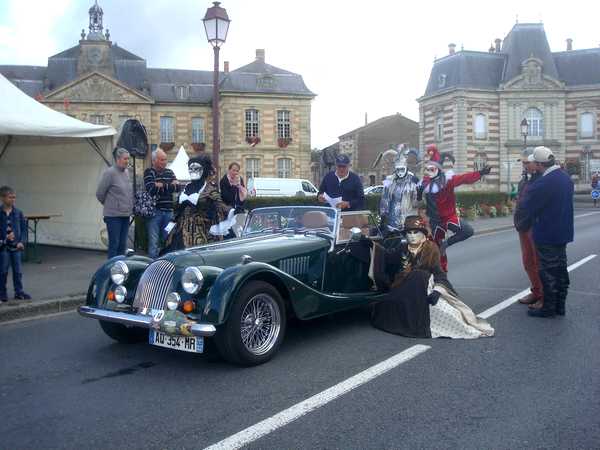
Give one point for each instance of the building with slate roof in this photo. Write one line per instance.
(475, 101)
(265, 111)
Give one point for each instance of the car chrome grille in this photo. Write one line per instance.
(152, 290)
(294, 266)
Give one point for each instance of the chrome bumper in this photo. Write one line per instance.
(137, 320)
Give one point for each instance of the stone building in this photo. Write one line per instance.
(265, 111)
(364, 144)
(475, 102)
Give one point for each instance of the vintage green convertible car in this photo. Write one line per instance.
(301, 262)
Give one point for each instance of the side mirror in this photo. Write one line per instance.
(355, 234)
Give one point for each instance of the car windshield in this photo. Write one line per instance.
(296, 218)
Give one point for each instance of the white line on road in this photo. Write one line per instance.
(286, 416)
(587, 214)
(509, 301)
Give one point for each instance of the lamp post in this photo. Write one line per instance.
(216, 25)
(524, 133)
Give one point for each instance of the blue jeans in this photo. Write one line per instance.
(8, 260)
(118, 228)
(156, 230)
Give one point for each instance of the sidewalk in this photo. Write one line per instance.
(60, 282)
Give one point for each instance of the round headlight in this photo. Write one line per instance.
(119, 272)
(120, 294)
(173, 300)
(192, 280)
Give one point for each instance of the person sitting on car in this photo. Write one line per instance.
(410, 308)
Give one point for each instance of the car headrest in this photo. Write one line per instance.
(355, 220)
(315, 219)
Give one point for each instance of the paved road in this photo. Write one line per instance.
(63, 384)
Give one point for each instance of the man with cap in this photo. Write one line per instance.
(549, 201)
(437, 187)
(344, 184)
(523, 222)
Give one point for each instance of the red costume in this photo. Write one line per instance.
(441, 203)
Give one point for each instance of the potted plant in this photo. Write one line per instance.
(253, 140)
(283, 142)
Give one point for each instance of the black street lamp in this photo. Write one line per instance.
(216, 24)
(524, 132)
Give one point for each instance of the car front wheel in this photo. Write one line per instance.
(123, 334)
(256, 325)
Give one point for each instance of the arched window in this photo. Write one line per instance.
(586, 125)
(480, 126)
(439, 127)
(535, 119)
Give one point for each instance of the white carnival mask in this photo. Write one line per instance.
(415, 237)
(432, 171)
(196, 170)
(400, 168)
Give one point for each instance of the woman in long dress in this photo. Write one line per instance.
(412, 308)
(201, 216)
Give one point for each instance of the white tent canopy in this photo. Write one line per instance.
(53, 162)
(179, 166)
(21, 115)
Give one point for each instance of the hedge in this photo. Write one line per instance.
(465, 199)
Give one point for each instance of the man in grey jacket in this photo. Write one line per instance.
(115, 192)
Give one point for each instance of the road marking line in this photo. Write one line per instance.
(587, 214)
(509, 301)
(286, 416)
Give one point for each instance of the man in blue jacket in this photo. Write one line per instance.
(345, 184)
(550, 202)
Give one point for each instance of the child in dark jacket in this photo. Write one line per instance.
(13, 235)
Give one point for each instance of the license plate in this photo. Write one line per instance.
(194, 344)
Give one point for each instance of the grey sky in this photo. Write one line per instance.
(358, 56)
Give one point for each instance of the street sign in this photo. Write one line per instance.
(594, 165)
(595, 194)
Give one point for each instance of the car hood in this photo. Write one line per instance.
(266, 249)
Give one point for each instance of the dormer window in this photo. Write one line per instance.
(442, 80)
(182, 92)
(266, 82)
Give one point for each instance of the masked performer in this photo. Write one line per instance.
(200, 216)
(438, 188)
(411, 308)
(399, 192)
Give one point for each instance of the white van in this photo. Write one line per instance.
(281, 187)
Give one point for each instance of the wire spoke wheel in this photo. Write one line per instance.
(260, 324)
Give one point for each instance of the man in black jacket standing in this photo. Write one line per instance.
(342, 184)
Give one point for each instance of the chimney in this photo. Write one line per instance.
(497, 41)
(226, 67)
(569, 44)
(451, 49)
(260, 54)
(366, 120)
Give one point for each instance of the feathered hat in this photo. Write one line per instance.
(435, 158)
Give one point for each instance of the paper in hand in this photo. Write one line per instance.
(332, 201)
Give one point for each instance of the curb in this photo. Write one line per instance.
(40, 307)
(493, 230)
